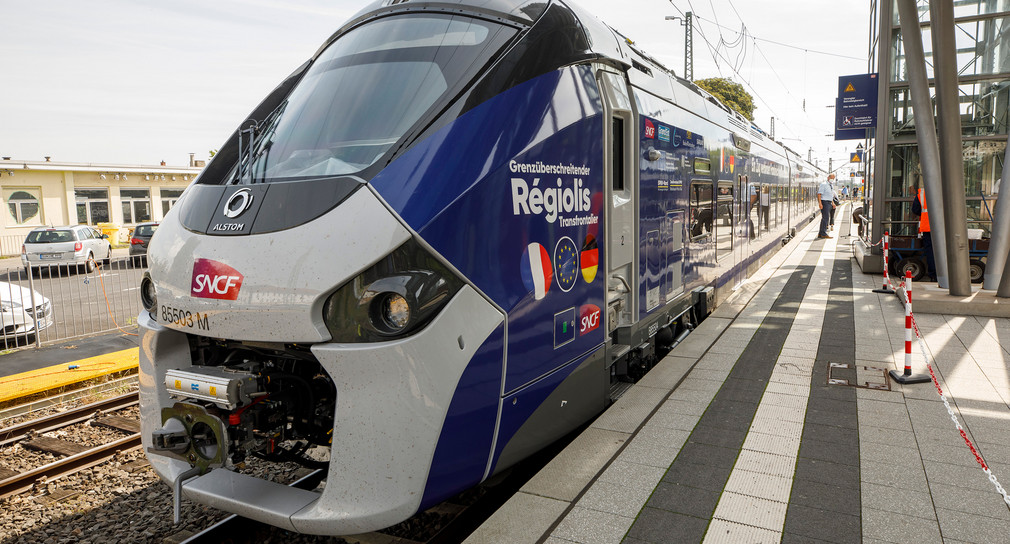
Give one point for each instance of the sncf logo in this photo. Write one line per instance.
(212, 279)
(650, 129)
(589, 318)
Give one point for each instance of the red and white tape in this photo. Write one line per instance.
(910, 325)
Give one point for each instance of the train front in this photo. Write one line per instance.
(292, 315)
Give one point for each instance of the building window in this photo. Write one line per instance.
(92, 206)
(24, 205)
(168, 198)
(136, 205)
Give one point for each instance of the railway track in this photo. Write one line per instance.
(73, 457)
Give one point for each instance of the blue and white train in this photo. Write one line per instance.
(442, 243)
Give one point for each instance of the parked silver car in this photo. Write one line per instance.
(18, 316)
(78, 245)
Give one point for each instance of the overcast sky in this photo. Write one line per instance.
(129, 82)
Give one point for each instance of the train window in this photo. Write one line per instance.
(724, 219)
(702, 166)
(701, 209)
(364, 92)
(617, 139)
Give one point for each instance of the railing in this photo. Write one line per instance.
(10, 245)
(66, 302)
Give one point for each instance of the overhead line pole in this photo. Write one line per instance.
(688, 46)
(688, 23)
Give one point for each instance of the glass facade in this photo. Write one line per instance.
(983, 48)
(982, 42)
(984, 109)
(962, 8)
(983, 167)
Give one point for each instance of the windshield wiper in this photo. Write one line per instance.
(256, 134)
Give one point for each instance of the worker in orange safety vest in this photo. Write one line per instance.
(919, 209)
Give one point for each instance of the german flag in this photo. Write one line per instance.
(590, 258)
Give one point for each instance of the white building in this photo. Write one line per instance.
(109, 196)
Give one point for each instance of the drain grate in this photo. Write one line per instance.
(858, 376)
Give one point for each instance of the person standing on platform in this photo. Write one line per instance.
(919, 209)
(831, 220)
(857, 218)
(826, 202)
(752, 207)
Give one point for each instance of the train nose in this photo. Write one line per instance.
(268, 287)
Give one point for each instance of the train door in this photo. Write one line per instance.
(621, 198)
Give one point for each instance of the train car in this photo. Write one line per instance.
(452, 236)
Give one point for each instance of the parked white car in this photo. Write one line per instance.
(79, 245)
(17, 315)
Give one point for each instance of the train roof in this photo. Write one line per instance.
(607, 44)
(522, 12)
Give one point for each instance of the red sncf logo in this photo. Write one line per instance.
(212, 279)
(589, 318)
(650, 129)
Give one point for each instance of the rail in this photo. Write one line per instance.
(69, 465)
(18, 432)
(26, 481)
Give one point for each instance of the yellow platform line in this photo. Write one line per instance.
(62, 375)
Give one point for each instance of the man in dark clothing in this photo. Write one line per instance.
(857, 218)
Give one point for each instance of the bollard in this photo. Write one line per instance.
(887, 284)
(907, 376)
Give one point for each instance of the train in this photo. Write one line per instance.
(455, 234)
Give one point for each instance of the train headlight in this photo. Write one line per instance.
(394, 311)
(148, 296)
(395, 297)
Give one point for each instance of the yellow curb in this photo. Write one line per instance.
(62, 375)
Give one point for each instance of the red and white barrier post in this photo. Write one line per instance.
(907, 376)
(887, 284)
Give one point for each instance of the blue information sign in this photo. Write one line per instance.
(856, 106)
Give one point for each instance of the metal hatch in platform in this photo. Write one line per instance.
(858, 376)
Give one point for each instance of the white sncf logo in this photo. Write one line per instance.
(218, 285)
(212, 279)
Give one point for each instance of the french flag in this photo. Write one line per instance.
(536, 270)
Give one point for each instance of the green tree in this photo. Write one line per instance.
(730, 93)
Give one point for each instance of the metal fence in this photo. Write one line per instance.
(64, 302)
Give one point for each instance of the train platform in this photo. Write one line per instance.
(55, 368)
(776, 421)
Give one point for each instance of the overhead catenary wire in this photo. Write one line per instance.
(744, 35)
(781, 44)
(717, 55)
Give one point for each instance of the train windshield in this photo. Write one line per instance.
(363, 93)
